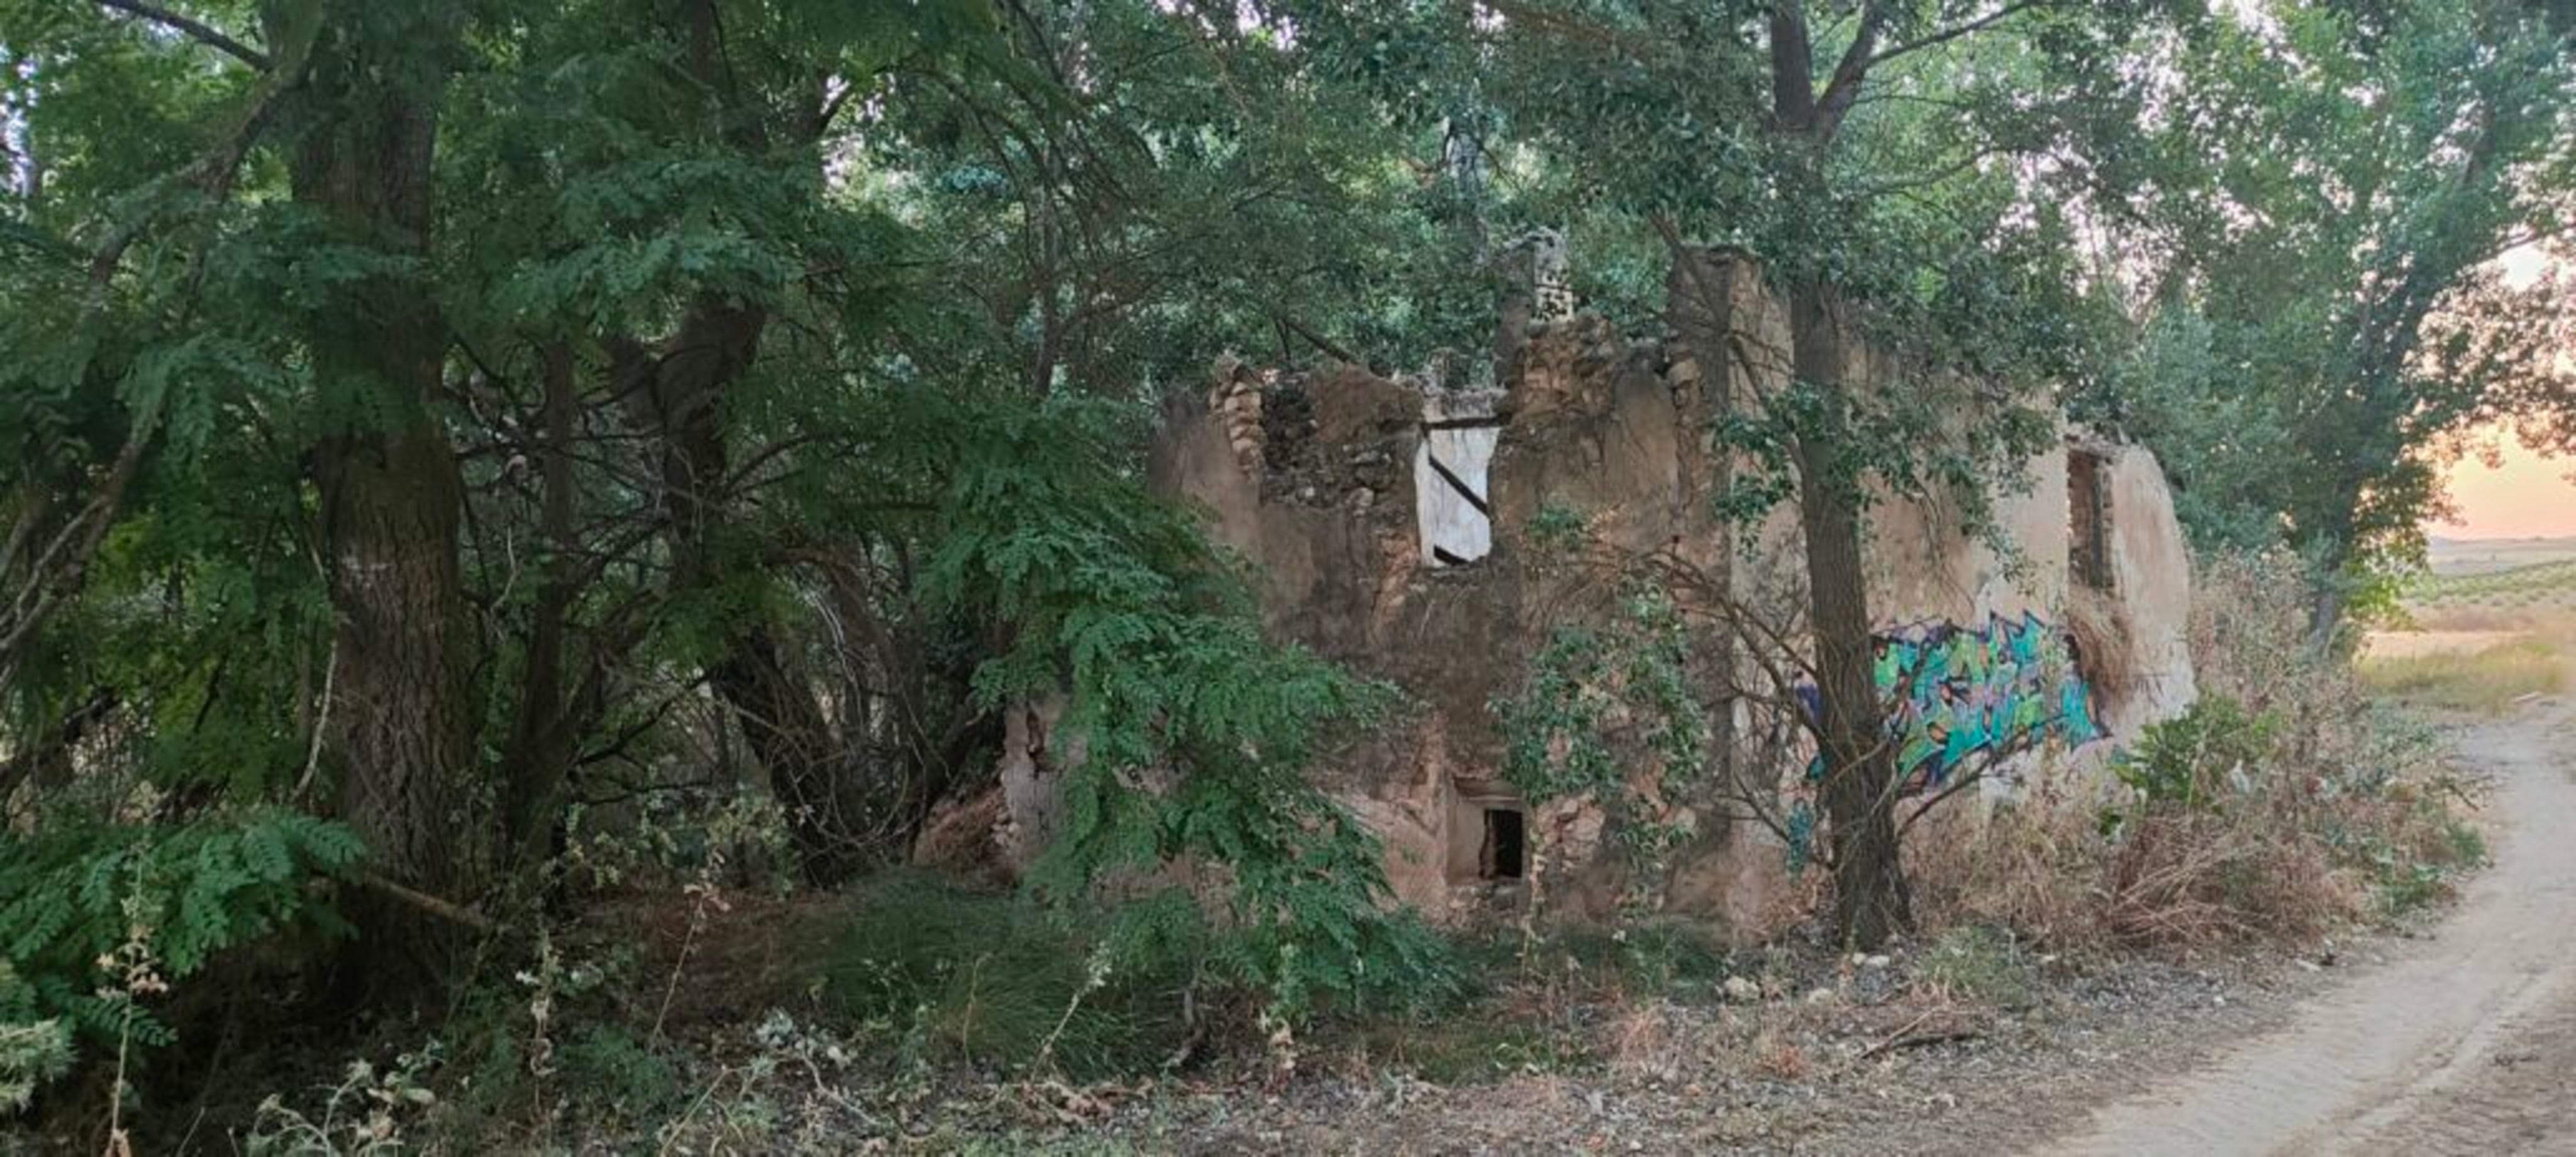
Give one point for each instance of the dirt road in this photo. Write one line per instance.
(2465, 1043)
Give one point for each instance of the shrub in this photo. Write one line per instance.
(33, 1050)
(75, 894)
(2193, 759)
(1614, 716)
(2034, 866)
(1197, 732)
(2280, 804)
(614, 1069)
(365, 1114)
(2189, 877)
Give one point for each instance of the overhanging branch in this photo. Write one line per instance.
(1954, 32)
(193, 29)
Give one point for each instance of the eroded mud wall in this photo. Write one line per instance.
(1389, 526)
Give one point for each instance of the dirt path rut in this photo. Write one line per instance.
(2465, 1043)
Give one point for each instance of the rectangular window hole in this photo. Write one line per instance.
(2088, 508)
(1505, 855)
(1452, 471)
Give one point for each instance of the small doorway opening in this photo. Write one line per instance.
(1505, 855)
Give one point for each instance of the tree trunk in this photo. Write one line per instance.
(545, 737)
(681, 399)
(2329, 543)
(402, 729)
(2326, 611)
(833, 828)
(786, 726)
(1859, 788)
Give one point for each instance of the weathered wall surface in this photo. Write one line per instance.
(1390, 528)
(1331, 515)
(2151, 581)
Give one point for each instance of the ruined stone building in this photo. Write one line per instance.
(1390, 524)
(1393, 526)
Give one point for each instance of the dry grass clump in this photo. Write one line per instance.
(2037, 866)
(2282, 805)
(2200, 877)
(2105, 652)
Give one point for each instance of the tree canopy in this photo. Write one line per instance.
(435, 430)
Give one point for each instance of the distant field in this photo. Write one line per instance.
(2531, 588)
(2491, 678)
(2494, 624)
(2454, 557)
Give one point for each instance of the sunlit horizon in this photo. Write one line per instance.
(2526, 495)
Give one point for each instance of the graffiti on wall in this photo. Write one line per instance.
(1955, 693)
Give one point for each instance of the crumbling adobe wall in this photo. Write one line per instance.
(1315, 478)
(1323, 507)
(2151, 579)
(1334, 541)
(2115, 651)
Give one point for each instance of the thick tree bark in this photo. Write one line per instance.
(1859, 788)
(402, 734)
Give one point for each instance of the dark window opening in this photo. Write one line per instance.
(1505, 855)
(2088, 511)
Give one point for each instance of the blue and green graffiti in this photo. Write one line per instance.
(1953, 692)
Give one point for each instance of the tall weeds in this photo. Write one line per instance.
(2283, 804)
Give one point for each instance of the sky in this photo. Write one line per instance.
(2529, 497)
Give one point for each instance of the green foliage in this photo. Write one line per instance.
(75, 893)
(1614, 715)
(1657, 127)
(610, 1067)
(1669, 957)
(1195, 730)
(2196, 759)
(2321, 310)
(2415, 861)
(33, 1049)
(797, 356)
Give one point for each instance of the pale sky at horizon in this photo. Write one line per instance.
(2528, 497)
